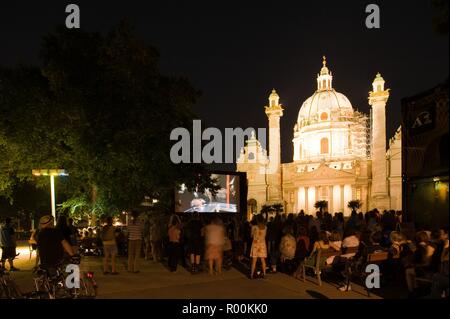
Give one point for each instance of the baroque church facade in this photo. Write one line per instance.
(340, 155)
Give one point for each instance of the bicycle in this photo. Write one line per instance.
(50, 283)
(8, 287)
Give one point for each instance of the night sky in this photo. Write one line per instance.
(236, 52)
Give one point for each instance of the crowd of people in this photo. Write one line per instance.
(283, 242)
(264, 244)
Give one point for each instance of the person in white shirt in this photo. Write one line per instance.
(351, 241)
(336, 244)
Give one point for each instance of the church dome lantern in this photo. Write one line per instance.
(326, 104)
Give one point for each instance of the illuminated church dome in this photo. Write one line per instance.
(327, 128)
(325, 104)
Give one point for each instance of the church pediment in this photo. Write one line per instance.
(325, 172)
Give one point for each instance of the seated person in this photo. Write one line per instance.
(351, 241)
(438, 241)
(440, 281)
(302, 246)
(342, 263)
(420, 260)
(322, 243)
(335, 244)
(397, 239)
(287, 250)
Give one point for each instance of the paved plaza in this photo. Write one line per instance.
(155, 281)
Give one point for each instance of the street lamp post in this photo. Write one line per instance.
(52, 173)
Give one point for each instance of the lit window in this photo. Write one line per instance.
(324, 146)
(324, 116)
(358, 193)
(324, 84)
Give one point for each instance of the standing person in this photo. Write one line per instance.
(134, 242)
(146, 235)
(194, 241)
(214, 240)
(108, 237)
(155, 239)
(174, 246)
(259, 248)
(8, 244)
(238, 244)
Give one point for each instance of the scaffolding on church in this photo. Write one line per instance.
(360, 134)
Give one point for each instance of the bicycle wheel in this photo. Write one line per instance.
(13, 290)
(2, 290)
(88, 288)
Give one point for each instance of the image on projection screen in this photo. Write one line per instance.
(225, 201)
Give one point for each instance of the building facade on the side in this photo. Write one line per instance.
(425, 124)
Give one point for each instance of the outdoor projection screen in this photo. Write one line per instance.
(227, 199)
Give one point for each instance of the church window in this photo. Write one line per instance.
(301, 149)
(324, 146)
(358, 193)
(251, 156)
(324, 84)
(324, 116)
(379, 88)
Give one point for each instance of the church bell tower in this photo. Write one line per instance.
(274, 112)
(377, 99)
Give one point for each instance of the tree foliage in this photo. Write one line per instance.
(321, 205)
(99, 108)
(354, 204)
